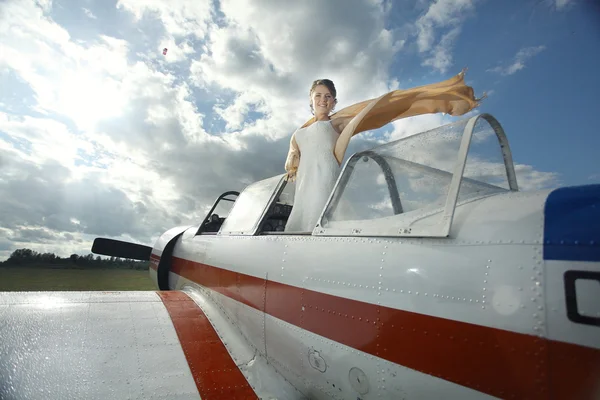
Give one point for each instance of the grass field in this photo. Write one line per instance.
(48, 279)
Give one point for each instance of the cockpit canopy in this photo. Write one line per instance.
(411, 186)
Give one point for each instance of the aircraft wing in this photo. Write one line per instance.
(116, 345)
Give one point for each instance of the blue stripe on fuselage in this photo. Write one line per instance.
(572, 224)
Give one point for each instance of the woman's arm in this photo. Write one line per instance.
(293, 158)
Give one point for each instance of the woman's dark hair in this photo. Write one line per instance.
(327, 83)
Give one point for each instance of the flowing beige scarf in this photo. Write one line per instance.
(451, 96)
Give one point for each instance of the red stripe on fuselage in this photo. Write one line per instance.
(498, 362)
(214, 371)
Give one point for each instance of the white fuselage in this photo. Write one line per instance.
(479, 314)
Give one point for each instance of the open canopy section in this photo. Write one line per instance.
(218, 213)
(250, 206)
(410, 187)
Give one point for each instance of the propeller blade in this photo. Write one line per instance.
(118, 248)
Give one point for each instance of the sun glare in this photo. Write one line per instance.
(88, 98)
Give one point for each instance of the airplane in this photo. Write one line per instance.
(429, 275)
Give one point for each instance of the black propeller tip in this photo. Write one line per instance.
(118, 248)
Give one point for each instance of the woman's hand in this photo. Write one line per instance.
(291, 175)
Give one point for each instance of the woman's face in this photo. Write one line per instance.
(322, 100)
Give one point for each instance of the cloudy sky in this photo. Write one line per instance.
(102, 135)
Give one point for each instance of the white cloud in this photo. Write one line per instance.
(83, 83)
(441, 14)
(89, 13)
(180, 17)
(519, 60)
(43, 139)
(236, 113)
(441, 55)
(531, 179)
(560, 5)
(447, 15)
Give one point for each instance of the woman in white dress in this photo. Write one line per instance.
(318, 147)
(322, 148)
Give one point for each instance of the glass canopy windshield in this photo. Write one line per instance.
(410, 187)
(250, 206)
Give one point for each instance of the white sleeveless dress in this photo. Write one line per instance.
(317, 173)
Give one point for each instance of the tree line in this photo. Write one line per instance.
(32, 258)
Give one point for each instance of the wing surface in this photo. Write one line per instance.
(108, 345)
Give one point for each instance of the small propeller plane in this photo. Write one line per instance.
(429, 275)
